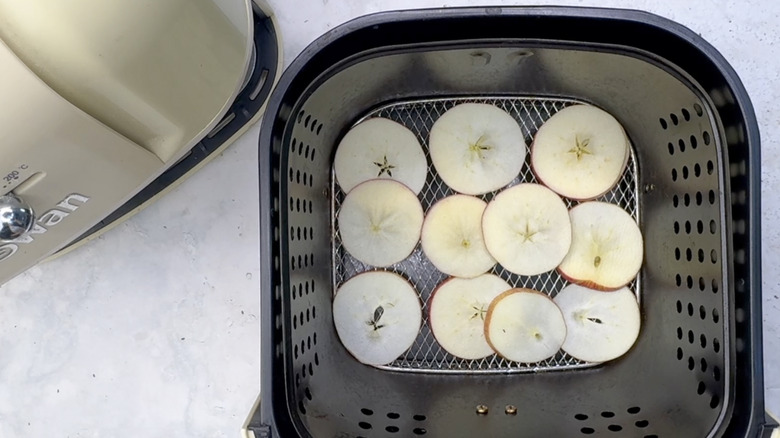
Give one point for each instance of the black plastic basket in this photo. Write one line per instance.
(696, 369)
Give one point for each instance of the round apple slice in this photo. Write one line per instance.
(377, 316)
(524, 325)
(380, 222)
(380, 148)
(457, 314)
(601, 326)
(606, 247)
(580, 152)
(477, 148)
(452, 237)
(527, 229)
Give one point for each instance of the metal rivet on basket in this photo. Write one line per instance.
(510, 410)
(482, 410)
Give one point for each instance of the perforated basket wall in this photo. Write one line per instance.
(692, 186)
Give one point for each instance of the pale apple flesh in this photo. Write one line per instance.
(527, 229)
(601, 326)
(452, 237)
(380, 148)
(377, 316)
(606, 249)
(380, 222)
(524, 325)
(458, 308)
(580, 152)
(477, 148)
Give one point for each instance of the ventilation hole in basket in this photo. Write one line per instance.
(703, 365)
(316, 359)
(716, 345)
(703, 340)
(671, 148)
(313, 312)
(308, 342)
(705, 136)
(697, 108)
(650, 436)
(615, 427)
(633, 410)
(663, 123)
(297, 379)
(679, 304)
(642, 424)
(687, 227)
(689, 282)
(293, 291)
(419, 417)
(300, 318)
(393, 415)
(714, 286)
(295, 349)
(699, 198)
(677, 253)
(581, 417)
(687, 198)
(674, 174)
(696, 170)
(607, 414)
(675, 201)
(314, 338)
(367, 411)
(714, 256)
(307, 393)
(691, 363)
(300, 261)
(419, 431)
(364, 425)
(314, 125)
(686, 115)
(714, 401)
(716, 373)
(310, 210)
(712, 197)
(295, 321)
(702, 284)
(292, 263)
(306, 121)
(319, 128)
(587, 430)
(311, 369)
(305, 233)
(710, 167)
(700, 227)
(298, 232)
(681, 143)
(715, 316)
(701, 255)
(679, 353)
(676, 228)
(674, 118)
(688, 256)
(690, 335)
(679, 333)
(392, 429)
(701, 388)
(702, 314)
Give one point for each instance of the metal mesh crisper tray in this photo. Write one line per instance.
(426, 355)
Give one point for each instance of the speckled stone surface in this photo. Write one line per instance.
(152, 330)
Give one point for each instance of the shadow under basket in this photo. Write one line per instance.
(696, 369)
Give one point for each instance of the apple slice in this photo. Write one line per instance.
(380, 148)
(524, 325)
(527, 229)
(457, 314)
(380, 222)
(601, 326)
(606, 247)
(477, 148)
(377, 316)
(580, 152)
(452, 237)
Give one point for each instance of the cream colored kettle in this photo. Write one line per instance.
(99, 99)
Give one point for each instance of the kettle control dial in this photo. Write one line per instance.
(16, 217)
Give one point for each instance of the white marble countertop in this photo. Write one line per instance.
(152, 329)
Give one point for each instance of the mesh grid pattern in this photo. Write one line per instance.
(426, 355)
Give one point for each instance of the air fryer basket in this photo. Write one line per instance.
(696, 367)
